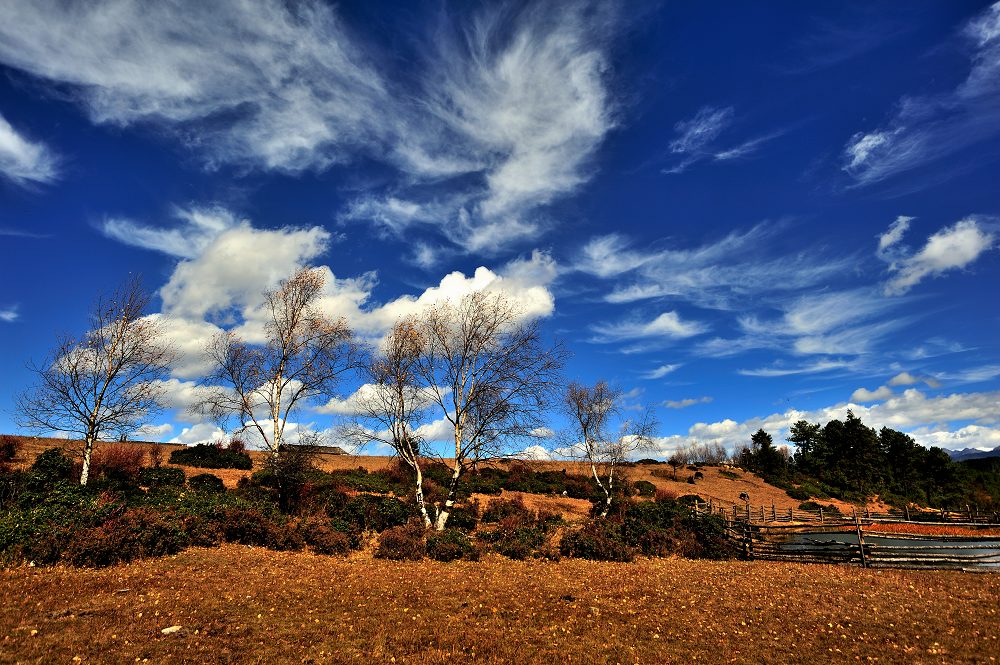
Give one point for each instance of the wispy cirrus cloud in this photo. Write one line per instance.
(665, 326)
(10, 313)
(696, 139)
(686, 402)
(924, 129)
(195, 230)
(23, 161)
(499, 114)
(661, 371)
(718, 275)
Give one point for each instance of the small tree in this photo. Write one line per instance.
(302, 359)
(489, 374)
(104, 383)
(594, 412)
(393, 402)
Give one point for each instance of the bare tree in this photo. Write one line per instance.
(602, 437)
(392, 402)
(303, 357)
(105, 382)
(489, 374)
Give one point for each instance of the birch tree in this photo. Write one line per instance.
(105, 382)
(302, 359)
(392, 403)
(489, 374)
(601, 436)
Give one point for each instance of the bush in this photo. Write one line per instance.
(117, 462)
(206, 483)
(49, 467)
(731, 475)
(645, 488)
(515, 539)
(211, 456)
(402, 543)
(450, 545)
(164, 476)
(798, 494)
(324, 539)
(10, 446)
(464, 517)
(815, 506)
(366, 512)
(649, 461)
(140, 532)
(597, 540)
(251, 526)
(499, 509)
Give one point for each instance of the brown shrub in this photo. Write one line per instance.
(10, 446)
(402, 543)
(117, 461)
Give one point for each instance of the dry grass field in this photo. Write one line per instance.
(247, 605)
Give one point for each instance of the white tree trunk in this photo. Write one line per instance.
(88, 450)
(420, 497)
(442, 516)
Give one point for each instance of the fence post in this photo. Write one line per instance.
(774, 515)
(789, 514)
(907, 509)
(861, 542)
(762, 518)
(821, 520)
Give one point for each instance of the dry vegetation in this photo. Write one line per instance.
(306, 608)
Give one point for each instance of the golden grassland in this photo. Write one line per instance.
(240, 604)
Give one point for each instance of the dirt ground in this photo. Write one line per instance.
(304, 608)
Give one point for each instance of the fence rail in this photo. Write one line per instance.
(868, 541)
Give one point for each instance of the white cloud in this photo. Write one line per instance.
(892, 237)
(971, 375)
(926, 128)
(930, 420)
(183, 396)
(720, 275)
(667, 325)
(535, 452)
(782, 370)
(22, 160)
(234, 269)
(152, 432)
(952, 248)
(197, 229)
(838, 323)
(200, 433)
(9, 313)
(660, 371)
(904, 379)
(686, 402)
(693, 134)
(877, 395)
(510, 106)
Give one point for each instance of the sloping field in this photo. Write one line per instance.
(292, 608)
(715, 484)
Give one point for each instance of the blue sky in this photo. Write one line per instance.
(741, 215)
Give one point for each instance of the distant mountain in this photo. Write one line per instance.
(973, 453)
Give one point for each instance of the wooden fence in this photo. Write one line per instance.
(864, 539)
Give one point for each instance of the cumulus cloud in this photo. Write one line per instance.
(23, 161)
(196, 230)
(877, 395)
(200, 433)
(952, 248)
(152, 432)
(229, 273)
(955, 421)
(926, 128)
